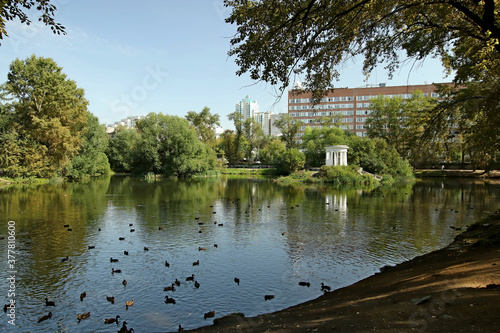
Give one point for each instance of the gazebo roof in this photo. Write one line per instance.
(337, 147)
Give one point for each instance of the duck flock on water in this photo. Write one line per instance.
(169, 288)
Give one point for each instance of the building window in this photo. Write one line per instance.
(360, 120)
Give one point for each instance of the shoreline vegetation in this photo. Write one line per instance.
(300, 176)
(454, 289)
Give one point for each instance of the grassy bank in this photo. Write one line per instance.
(421, 173)
(248, 171)
(334, 175)
(31, 181)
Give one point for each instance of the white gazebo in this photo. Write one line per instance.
(336, 155)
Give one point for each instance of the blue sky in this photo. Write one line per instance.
(133, 58)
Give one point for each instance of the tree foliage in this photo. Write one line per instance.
(91, 159)
(289, 128)
(401, 122)
(47, 117)
(290, 161)
(205, 123)
(17, 9)
(317, 138)
(121, 149)
(271, 151)
(377, 156)
(253, 138)
(277, 38)
(373, 155)
(228, 143)
(168, 145)
(238, 121)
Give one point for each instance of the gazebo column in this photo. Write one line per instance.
(336, 155)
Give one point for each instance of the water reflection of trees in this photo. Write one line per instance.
(388, 222)
(40, 213)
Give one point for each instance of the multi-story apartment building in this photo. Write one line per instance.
(247, 108)
(266, 120)
(352, 104)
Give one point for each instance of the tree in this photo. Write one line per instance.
(49, 116)
(205, 124)
(376, 156)
(289, 128)
(474, 112)
(289, 161)
(228, 144)
(91, 159)
(121, 149)
(238, 121)
(15, 9)
(254, 137)
(317, 138)
(401, 123)
(271, 151)
(168, 145)
(278, 38)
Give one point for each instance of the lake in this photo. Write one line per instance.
(269, 236)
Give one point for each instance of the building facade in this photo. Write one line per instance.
(352, 104)
(128, 122)
(264, 119)
(247, 108)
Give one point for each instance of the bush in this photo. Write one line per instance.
(377, 157)
(344, 175)
(289, 161)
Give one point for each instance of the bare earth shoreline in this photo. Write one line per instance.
(455, 289)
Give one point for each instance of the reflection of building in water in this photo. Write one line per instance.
(337, 202)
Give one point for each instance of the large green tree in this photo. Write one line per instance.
(168, 145)
(271, 151)
(205, 123)
(48, 114)
(91, 159)
(254, 138)
(121, 149)
(227, 145)
(377, 156)
(401, 123)
(289, 128)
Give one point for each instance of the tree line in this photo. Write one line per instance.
(46, 130)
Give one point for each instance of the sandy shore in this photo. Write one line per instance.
(456, 289)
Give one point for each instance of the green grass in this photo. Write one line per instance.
(247, 171)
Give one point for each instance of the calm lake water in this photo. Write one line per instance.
(269, 236)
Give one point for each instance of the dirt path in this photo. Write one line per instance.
(456, 289)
